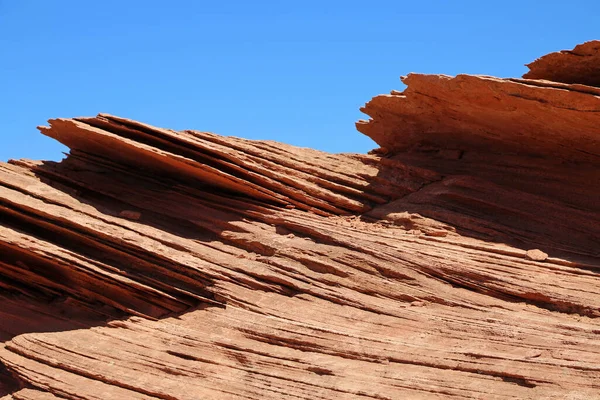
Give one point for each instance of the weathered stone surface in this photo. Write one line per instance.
(580, 65)
(486, 115)
(182, 265)
(536, 255)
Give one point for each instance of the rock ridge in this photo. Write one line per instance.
(459, 260)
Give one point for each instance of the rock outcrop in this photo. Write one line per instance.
(459, 260)
(579, 65)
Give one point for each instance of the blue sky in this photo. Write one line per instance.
(292, 71)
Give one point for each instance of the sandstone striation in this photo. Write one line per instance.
(459, 260)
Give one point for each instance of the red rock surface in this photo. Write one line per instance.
(460, 260)
(580, 65)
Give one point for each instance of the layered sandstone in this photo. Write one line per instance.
(460, 260)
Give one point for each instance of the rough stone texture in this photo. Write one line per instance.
(536, 255)
(182, 265)
(487, 115)
(580, 65)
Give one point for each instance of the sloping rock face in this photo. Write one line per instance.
(460, 260)
(579, 65)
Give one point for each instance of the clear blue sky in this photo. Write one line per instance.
(292, 71)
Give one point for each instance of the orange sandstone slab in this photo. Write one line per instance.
(580, 65)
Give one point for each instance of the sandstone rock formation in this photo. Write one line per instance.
(579, 65)
(460, 260)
